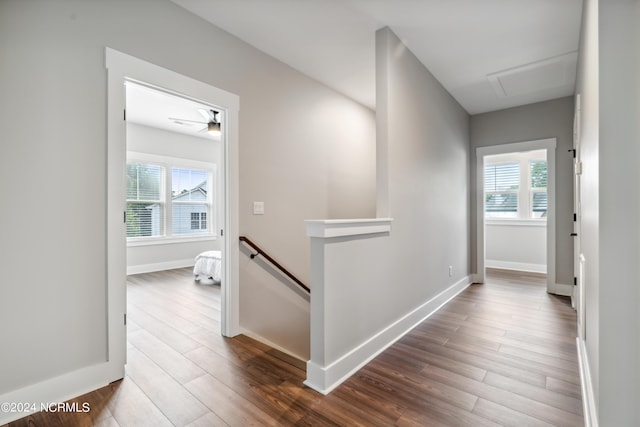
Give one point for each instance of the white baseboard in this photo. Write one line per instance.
(324, 379)
(588, 397)
(263, 340)
(520, 266)
(563, 289)
(57, 390)
(160, 266)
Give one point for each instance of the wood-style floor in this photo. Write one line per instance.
(499, 354)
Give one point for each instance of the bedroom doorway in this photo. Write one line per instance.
(160, 188)
(174, 206)
(174, 203)
(482, 153)
(515, 194)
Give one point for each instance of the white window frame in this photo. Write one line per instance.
(525, 191)
(161, 200)
(168, 163)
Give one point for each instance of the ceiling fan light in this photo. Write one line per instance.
(213, 128)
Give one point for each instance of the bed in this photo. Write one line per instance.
(207, 268)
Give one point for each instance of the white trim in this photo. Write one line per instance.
(154, 241)
(138, 156)
(58, 389)
(586, 385)
(550, 145)
(160, 266)
(534, 222)
(326, 228)
(324, 379)
(563, 289)
(520, 266)
(270, 343)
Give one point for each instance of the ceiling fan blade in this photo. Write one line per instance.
(204, 129)
(184, 120)
(206, 114)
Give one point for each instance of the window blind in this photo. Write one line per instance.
(502, 177)
(145, 213)
(501, 183)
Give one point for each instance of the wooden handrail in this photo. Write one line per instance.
(274, 262)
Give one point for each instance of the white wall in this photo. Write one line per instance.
(588, 87)
(608, 85)
(304, 149)
(619, 210)
(161, 256)
(516, 246)
(549, 119)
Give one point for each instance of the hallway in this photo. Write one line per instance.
(502, 353)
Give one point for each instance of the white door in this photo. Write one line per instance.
(578, 259)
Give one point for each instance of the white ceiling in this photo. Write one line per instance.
(489, 54)
(157, 108)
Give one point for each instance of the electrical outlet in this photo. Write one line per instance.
(450, 270)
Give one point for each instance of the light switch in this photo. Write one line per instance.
(258, 208)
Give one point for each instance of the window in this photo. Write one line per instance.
(198, 220)
(168, 198)
(145, 206)
(189, 200)
(538, 170)
(501, 184)
(515, 185)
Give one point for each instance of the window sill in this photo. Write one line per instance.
(153, 241)
(537, 222)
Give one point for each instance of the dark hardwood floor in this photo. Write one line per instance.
(499, 354)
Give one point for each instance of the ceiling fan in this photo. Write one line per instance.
(212, 123)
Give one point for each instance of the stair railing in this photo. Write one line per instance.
(275, 263)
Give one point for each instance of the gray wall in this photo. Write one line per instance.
(423, 140)
(305, 150)
(371, 288)
(550, 119)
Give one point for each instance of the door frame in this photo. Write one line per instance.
(122, 67)
(548, 144)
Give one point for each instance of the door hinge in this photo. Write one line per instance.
(124, 216)
(125, 319)
(575, 217)
(575, 281)
(125, 116)
(221, 233)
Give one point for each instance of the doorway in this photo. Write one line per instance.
(515, 194)
(121, 69)
(482, 154)
(175, 209)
